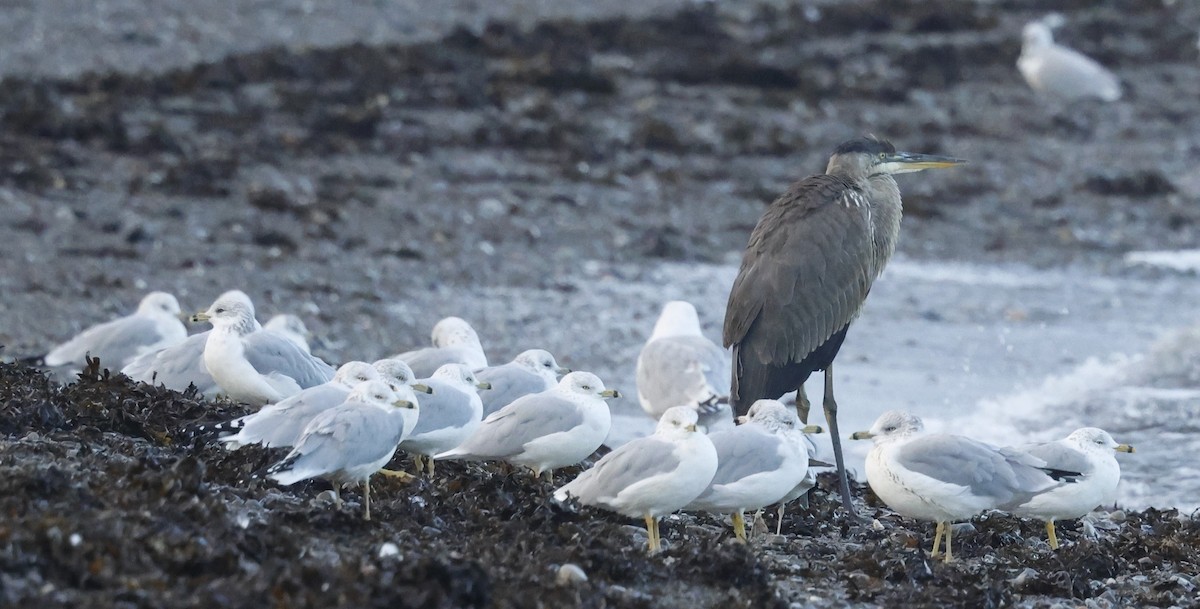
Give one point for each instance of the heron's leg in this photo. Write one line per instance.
(367, 499)
(803, 405)
(937, 538)
(831, 416)
(779, 521)
(739, 526)
(1050, 533)
(949, 526)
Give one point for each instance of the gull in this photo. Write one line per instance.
(395, 372)
(154, 326)
(679, 365)
(759, 463)
(944, 477)
(544, 431)
(281, 424)
(651, 476)
(291, 327)
(1058, 71)
(1092, 453)
(448, 416)
(348, 443)
(250, 364)
(454, 342)
(532, 371)
(175, 367)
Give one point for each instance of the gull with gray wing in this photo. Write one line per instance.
(532, 371)
(678, 365)
(449, 415)
(454, 342)
(155, 325)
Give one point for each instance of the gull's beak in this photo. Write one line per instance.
(862, 435)
(562, 370)
(422, 387)
(813, 429)
(691, 427)
(741, 419)
(201, 316)
(905, 162)
(483, 385)
(1124, 448)
(610, 393)
(403, 404)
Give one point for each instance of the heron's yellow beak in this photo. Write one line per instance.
(862, 435)
(1125, 448)
(422, 387)
(610, 393)
(905, 162)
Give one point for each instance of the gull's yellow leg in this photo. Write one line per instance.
(657, 536)
(367, 499)
(739, 526)
(418, 466)
(429, 466)
(949, 551)
(395, 473)
(1051, 535)
(937, 539)
(779, 522)
(548, 475)
(651, 533)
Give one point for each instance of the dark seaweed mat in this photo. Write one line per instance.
(108, 502)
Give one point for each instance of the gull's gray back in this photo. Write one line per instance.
(530, 418)
(270, 352)
(176, 367)
(630, 463)
(448, 406)
(674, 370)
(1006, 476)
(509, 382)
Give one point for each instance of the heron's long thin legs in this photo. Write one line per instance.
(831, 416)
(803, 404)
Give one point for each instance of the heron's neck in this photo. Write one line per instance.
(884, 195)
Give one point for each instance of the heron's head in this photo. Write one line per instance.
(867, 156)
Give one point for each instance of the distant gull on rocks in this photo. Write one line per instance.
(454, 342)
(252, 365)
(945, 478)
(154, 326)
(1058, 71)
(544, 431)
(652, 476)
(348, 443)
(1092, 453)
(678, 365)
(532, 371)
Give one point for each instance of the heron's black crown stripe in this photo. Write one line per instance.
(867, 144)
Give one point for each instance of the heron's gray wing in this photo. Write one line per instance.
(424, 362)
(115, 342)
(1060, 456)
(506, 433)
(175, 367)
(270, 351)
(282, 423)
(676, 370)
(447, 406)
(351, 434)
(628, 464)
(984, 470)
(509, 382)
(805, 273)
(744, 451)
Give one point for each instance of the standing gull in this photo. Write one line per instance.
(448, 416)
(544, 431)
(678, 365)
(946, 478)
(759, 463)
(281, 424)
(154, 326)
(651, 476)
(348, 443)
(806, 272)
(1058, 71)
(532, 371)
(454, 342)
(253, 365)
(1092, 453)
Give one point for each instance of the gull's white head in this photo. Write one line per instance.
(678, 422)
(541, 362)
(773, 415)
(376, 393)
(353, 373)
(232, 310)
(890, 426)
(1092, 439)
(398, 373)
(461, 375)
(286, 322)
(586, 383)
(1036, 35)
(452, 331)
(159, 303)
(678, 318)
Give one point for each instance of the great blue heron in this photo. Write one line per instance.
(807, 270)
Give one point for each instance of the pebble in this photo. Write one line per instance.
(389, 549)
(570, 575)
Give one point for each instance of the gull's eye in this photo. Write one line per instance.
(586, 387)
(890, 428)
(220, 310)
